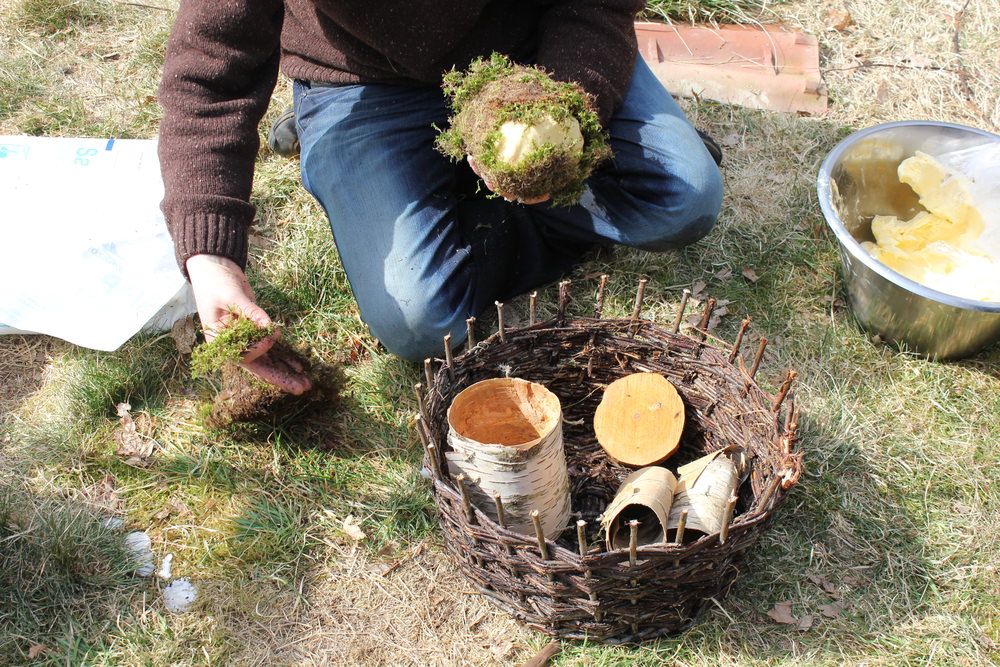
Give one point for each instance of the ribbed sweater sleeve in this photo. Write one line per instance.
(220, 69)
(592, 43)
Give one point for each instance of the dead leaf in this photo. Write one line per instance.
(501, 651)
(823, 583)
(750, 274)
(352, 527)
(173, 506)
(805, 623)
(133, 446)
(782, 613)
(839, 21)
(882, 94)
(853, 582)
(832, 610)
(184, 332)
(698, 289)
(731, 140)
(917, 60)
(724, 274)
(36, 651)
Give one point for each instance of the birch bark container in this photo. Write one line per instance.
(506, 437)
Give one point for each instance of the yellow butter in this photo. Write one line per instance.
(938, 247)
(518, 140)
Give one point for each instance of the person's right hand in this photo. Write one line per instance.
(222, 292)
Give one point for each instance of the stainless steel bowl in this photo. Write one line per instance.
(858, 180)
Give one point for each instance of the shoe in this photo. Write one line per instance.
(284, 137)
(713, 148)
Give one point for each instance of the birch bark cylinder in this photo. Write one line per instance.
(506, 436)
(644, 496)
(705, 493)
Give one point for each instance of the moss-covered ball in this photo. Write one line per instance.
(531, 136)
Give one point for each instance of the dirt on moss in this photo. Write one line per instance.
(246, 399)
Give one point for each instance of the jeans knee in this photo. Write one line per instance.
(415, 331)
(687, 216)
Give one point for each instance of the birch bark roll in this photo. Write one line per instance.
(704, 492)
(506, 436)
(644, 496)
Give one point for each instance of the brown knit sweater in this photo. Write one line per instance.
(223, 58)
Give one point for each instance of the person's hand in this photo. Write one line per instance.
(475, 167)
(222, 292)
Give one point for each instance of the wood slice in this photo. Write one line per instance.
(640, 419)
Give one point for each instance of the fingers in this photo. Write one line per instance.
(286, 375)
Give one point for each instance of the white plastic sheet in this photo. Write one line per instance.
(84, 252)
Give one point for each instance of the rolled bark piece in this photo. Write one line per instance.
(640, 419)
(704, 489)
(645, 496)
(506, 436)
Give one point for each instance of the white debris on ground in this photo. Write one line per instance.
(139, 544)
(179, 596)
(112, 523)
(164, 571)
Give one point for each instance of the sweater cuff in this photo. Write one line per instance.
(209, 234)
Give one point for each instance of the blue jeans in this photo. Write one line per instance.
(423, 246)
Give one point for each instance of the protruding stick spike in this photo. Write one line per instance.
(500, 324)
(599, 301)
(466, 501)
(448, 358)
(532, 309)
(681, 526)
(792, 420)
(432, 455)
(760, 355)
(563, 298)
(639, 296)
(705, 319)
(418, 392)
(680, 310)
(429, 373)
(543, 548)
(419, 421)
(501, 513)
(633, 542)
(783, 391)
(581, 537)
(727, 519)
(769, 490)
(470, 333)
(739, 340)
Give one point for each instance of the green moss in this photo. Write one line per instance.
(496, 91)
(228, 346)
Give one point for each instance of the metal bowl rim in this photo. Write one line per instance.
(849, 243)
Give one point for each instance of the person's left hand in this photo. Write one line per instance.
(475, 167)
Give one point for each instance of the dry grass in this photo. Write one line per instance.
(896, 512)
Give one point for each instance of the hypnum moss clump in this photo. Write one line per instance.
(228, 347)
(530, 135)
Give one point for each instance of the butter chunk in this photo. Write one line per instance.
(518, 140)
(943, 192)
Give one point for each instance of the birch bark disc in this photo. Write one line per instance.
(506, 436)
(640, 419)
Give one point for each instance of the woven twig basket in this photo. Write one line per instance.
(577, 591)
